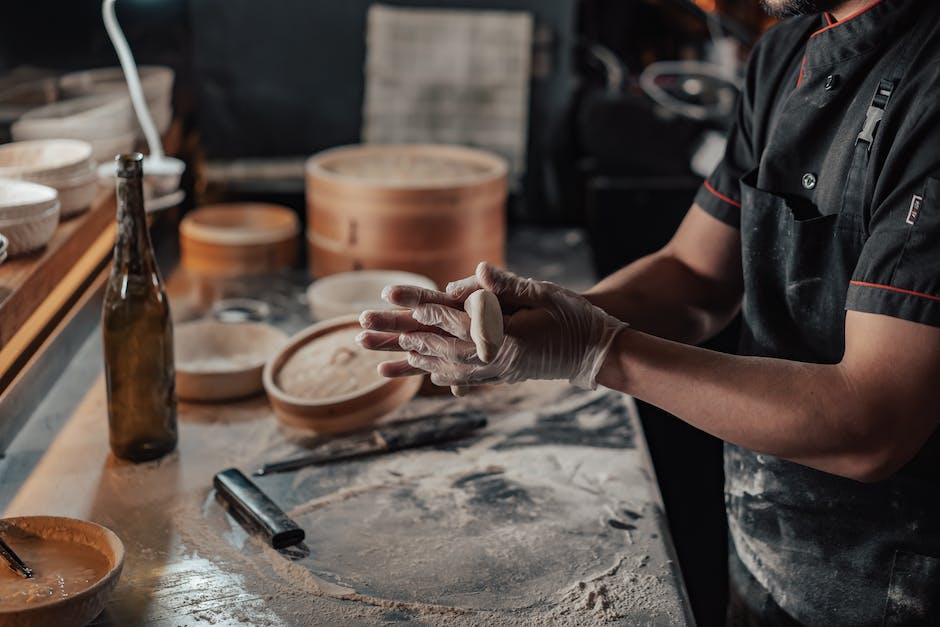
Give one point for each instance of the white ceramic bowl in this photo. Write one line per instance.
(45, 159)
(31, 233)
(104, 149)
(156, 82)
(21, 199)
(76, 194)
(89, 118)
(353, 292)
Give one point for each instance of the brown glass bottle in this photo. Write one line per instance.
(138, 333)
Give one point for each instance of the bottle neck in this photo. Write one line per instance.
(132, 249)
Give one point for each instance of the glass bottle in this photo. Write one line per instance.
(138, 333)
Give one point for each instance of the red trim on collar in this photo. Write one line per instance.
(850, 17)
(894, 289)
(829, 19)
(721, 196)
(799, 80)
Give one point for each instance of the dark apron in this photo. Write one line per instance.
(807, 546)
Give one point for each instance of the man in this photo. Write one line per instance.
(822, 227)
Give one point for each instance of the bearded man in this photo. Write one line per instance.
(821, 226)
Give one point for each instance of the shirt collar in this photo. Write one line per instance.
(869, 28)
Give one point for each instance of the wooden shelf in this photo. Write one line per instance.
(35, 290)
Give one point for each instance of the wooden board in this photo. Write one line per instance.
(35, 289)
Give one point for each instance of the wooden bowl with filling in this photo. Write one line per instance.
(218, 361)
(323, 381)
(76, 565)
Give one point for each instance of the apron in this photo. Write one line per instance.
(807, 546)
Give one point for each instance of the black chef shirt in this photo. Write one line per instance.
(828, 550)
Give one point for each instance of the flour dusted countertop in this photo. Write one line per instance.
(550, 515)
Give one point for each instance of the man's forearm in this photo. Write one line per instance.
(659, 295)
(797, 411)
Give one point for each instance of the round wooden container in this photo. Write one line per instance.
(238, 239)
(217, 361)
(334, 414)
(75, 609)
(428, 209)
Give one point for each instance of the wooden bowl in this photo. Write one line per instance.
(78, 608)
(340, 413)
(350, 293)
(222, 360)
(239, 239)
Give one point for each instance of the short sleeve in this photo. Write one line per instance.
(898, 272)
(720, 194)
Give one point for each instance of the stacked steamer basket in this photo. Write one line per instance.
(63, 164)
(429, 209)
(29, 214)
(231, 240)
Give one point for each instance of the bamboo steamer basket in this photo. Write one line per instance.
(232, 240)
(434, 210)
(341, 413)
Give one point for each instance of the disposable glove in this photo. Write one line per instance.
(551, 332)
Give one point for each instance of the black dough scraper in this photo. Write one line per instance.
(253, 509)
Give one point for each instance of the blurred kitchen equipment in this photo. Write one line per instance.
(240, 310)
(22, 95)
(163, 172)
(433, 210)
(238, 239)
(350, 293)
(428, 79)
(156, 82)
(222, 360)
(338, 412)
(50, 535)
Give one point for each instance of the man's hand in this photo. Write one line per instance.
(550, 332)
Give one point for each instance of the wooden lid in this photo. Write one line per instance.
(241, 224)
(344, 411)
(407, 166)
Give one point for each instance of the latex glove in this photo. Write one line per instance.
(551, 332)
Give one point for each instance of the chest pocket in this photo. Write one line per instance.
(914, 592)
(799, 263)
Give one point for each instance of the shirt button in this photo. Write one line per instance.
(809, 181)
(832, 81)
